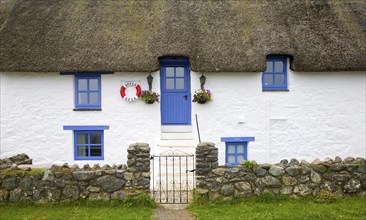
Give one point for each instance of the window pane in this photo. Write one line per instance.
(170, 71)
(93, 84)
(82, 138)
(82, 151)
(179, 83)
(95, 138)
(82, 84)
(279, 66)
(169, 83)
(268, 79)
(231, 148)
(93, 98)
(240, 157)
(269, 66)
(231, 158)
(280, 79)
(179, 72)
(96, 151)
(83, 98)
(240, 149)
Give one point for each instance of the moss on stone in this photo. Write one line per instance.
(61, 170)
(32, 172)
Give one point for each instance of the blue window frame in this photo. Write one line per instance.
(236, 149)
(236, 152)
(275, 76)
(88, 142)
(87, 91)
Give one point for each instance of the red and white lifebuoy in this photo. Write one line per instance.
(130, 98)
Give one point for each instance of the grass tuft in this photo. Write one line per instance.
(139, 207)
(268, 206)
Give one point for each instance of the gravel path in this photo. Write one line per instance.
(172, 212)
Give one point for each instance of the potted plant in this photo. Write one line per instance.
(149, 97)
(202, 96)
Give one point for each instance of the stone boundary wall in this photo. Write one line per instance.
(68, 183)
(343, 177)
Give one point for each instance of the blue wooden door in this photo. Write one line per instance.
(175, 92)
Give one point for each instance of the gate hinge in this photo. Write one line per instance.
(190, 170)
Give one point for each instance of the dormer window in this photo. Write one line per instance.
(87, 91)
(275, 76)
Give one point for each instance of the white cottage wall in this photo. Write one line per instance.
(322, 115)
(36, 106)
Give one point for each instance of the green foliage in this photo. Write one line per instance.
(269, 206)
(202, 96)
(21, 172)
(61, 170)
(199, 199)
(249, 164)
(325, 196)
(78, 209)
(142, 200)
(35, 171)
(149, 97)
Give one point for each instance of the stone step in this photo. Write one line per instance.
(176, 128)
(178, 143)
(177, 136)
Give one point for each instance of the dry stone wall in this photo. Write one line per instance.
(67, 183)
(15, 160)
(343, 177)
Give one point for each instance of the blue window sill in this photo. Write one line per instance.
(90, 158)
(86, 127)
(87, 109)
(275, 90)
(237, 139)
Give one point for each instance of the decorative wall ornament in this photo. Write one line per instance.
(128, 96)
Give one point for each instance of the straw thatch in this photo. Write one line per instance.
(112, 35)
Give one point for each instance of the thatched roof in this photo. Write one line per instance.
(112, 35)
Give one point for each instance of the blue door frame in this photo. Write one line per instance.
(175, 82)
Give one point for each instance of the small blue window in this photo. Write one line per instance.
(236, 149)
(275, 76)
(88, 142)
(88, 145)
(236, 152)
(87, 91)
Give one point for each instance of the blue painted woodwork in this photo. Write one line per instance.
(175, 91)
(94, 145)
(87, 92)
(239, 154)
(89, 138)
(237, 139)
(86, 127)
(236, 149)
(275, 76)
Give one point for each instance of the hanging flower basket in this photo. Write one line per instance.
(202, 96)
(149, 97)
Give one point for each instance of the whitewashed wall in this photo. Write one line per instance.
(323, 115)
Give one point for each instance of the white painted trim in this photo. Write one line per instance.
(176, 136)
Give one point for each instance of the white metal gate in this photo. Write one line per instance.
(173, 177)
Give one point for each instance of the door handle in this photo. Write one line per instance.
(185, 97)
